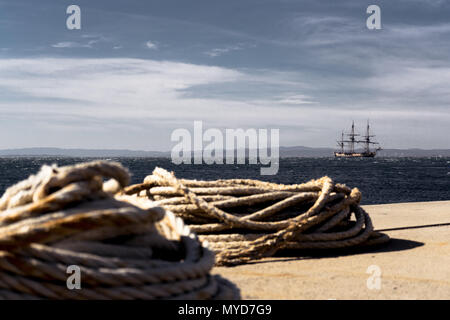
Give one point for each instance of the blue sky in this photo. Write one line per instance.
(137, 70)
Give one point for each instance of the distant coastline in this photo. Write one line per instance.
(297, 151)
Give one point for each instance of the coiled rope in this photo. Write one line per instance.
(124, 248)
(262, 217)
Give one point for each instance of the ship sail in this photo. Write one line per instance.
(353, 140)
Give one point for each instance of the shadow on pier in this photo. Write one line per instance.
(393, 245)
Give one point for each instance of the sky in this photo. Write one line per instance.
(137, 70)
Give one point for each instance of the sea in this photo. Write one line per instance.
(381, 180)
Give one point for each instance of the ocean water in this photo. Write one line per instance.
(381, 180)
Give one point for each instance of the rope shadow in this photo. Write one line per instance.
(416, 227)
(393, 245)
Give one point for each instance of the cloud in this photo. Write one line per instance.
(118, 86)
(418, 80)
(71, 44)
(321, 30)
(91, 40)
(151, 45)
(216, 52)
(60, 101)
(93, 36)
(433, 3)
(298, 99)
(63, 92)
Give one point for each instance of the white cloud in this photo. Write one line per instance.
(91, 40)
(434, 3)
(135, 89)
(151, 45)
(102, 95)
(120, 87)
(413, 80)
(298, 99)
(93, 36)
(216, 52)
(324, 31)
(70, 44)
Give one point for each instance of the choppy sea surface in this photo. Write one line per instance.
(381, 180)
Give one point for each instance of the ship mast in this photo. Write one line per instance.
(367, 140)
(341, 142)
(352, 140)
(352, 136)
(367, 137)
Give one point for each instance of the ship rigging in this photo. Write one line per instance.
(347, 147)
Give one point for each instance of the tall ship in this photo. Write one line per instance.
(347, 146)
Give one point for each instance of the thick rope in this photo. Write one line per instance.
(244, 220)
(125, 249)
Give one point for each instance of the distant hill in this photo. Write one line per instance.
(297, 151)
(305, 152)
(59, 152)
(414, 153)
(308, 152)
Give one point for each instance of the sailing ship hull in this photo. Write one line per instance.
(355, 154)
(352, 140)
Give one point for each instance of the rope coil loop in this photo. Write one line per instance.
(125, 248)
(266, 217)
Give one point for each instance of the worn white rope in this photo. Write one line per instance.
(124, 247)
(243, 219)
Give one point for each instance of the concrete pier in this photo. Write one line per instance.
(414, 265)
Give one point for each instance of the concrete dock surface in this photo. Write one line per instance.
(415, 264)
